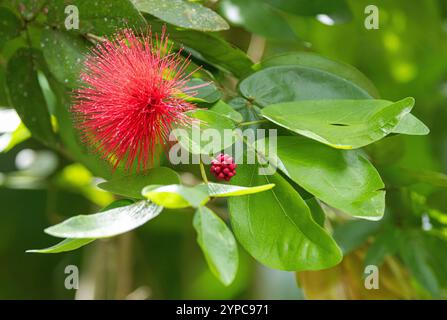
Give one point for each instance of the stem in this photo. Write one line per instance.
(202, 171)
(248, 123)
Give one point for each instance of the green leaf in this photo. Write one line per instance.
(206, 94)
(313, 60)
(18, 136)
(385, 244)
(64, 53)
(108, 223)
(176, 196)
(342, 124)
(257, 17)
(222, 108)
(64, 246)
(23, 85)
(227, 190)
(197, 139)
(185, 14)
(131, 185)
(11, 26)
(276, 226)
(317, 212)
(344, 179)
(412, 126)
(218, 245)
(353, 234)
(73, 244)
(100, 17)
(294, 83)
(211, 49)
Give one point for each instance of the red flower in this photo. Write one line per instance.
(131, 97)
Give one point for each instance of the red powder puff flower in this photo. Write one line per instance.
(130, 97)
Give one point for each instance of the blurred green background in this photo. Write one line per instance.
(406, 56)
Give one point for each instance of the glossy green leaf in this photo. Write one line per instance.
(176, 196)
(313, 60)
(64, 246)
(228, 190)
(258, 17)
(21, 77)
(317, 211)
(294, 83)
(10, 26)
(64, 53)
(185, 14)
(344, 179)
(276, 226)
(223, 108)
(211, 49)
(99, 17)
(108, 223)
(342, 124)
(218, 245)
(207, 133)
(131, 185)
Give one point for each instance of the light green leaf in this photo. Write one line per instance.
(343, 179)
(17, 136)
(342, 124)
(296, 83)
(100, 17)
(222, 108)
(218, 245)
(64, 246)
(64, 53)
(276, 226)
(228, 190)
(412, 126)
(176, 196)
(131, 185)
(197, 139)
(185, 14)
(23, 85)
(108, 223)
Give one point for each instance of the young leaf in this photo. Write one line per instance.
(341, 124)
(227, 190)
(222, 108)
(64, 246)
(412, 126)
(176, 196)
(131, 185)
(276, 226)
(21, 77)
(218, 245)
(344, 179)
(185, 14)
(108, 223)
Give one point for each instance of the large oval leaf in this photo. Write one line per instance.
(276, 226)
(218, 244)
(343, 179)
(343, 124)
(108, 223)
(294, 83)
(184, 14)
(131, 185)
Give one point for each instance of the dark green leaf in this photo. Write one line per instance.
(276, 226)
(21, 77)
(10, 26)
(218, 245)
(206, 94)
(353, 234)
